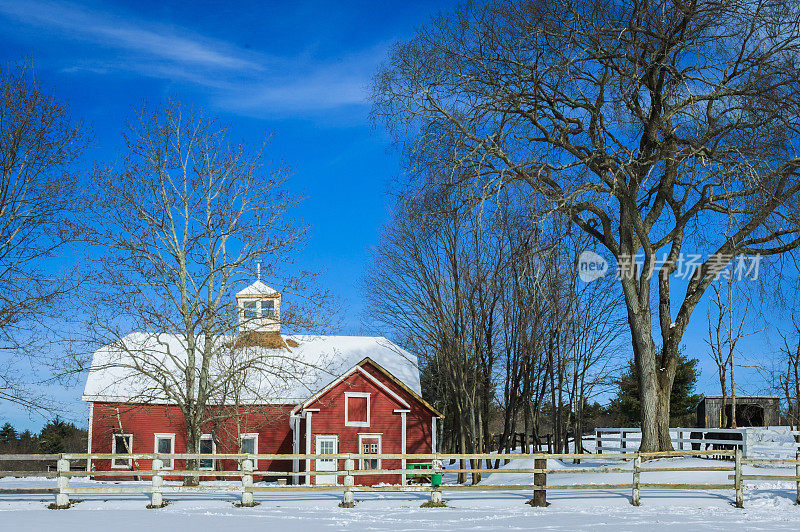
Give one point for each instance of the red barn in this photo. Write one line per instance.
(321, 395)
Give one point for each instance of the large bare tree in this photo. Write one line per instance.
(40, 145)
(658, 127)
(180, 224)
(491, 303)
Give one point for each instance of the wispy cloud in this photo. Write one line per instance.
(240, 80)
(78, 22)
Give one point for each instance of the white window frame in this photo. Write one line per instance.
(168, 464)
(347, 422)
(361, 436)
(114, 463)
(250, 308)
(213, 451)
(253, 435)
(262, 306)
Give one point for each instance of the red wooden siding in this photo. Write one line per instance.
(271, 423)
(383, 421)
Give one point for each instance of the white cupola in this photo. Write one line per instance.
(259, 307)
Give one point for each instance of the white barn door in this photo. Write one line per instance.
(326, 444)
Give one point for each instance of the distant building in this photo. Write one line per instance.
(751, 411)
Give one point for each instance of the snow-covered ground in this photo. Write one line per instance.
(768, 506)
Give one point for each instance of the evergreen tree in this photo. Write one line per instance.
(55, 435)
(682, 402)
(8, 434)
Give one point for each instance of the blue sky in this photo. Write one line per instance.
(297, 70)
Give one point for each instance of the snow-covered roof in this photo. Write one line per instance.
(280, 376)
(258, 288)
(743, 396)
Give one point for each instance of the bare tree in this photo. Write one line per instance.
(726, 326)
(654, 126)
(786, 377)
(181, 226)
(490, 301)
(39, 146)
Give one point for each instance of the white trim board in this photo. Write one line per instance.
(89, 437)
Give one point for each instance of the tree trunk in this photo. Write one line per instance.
(733, 397)
(724, 422)
(648, 399)
(662, 418)
(655, 380)
(192, 446)
(475, 425)
(462, 444)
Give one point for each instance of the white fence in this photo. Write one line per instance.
(536, 483)
(754, 441)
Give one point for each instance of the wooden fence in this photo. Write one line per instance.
(631, 463)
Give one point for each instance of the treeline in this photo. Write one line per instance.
(491, 302)
(57, 436)
(511, 335)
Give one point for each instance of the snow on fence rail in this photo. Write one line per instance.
(246, 487)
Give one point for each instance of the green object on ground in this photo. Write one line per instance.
(418, 466)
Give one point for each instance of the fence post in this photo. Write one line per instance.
(247, 482)
(637, 463)
(623, 441)
(598, 441)
(436, 491)
(745, 450)
(348, 500)
(797, 475)
(539, 484)
(62, 497)
(156, 497)
(738, 479)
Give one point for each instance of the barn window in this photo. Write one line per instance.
(267, 308)
(165, 444)
(249, 445)
(369, 444)
(250, 310)
(121, 444)
(207, 447)
(356, 409)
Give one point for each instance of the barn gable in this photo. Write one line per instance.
(364, 376)
(366, 410)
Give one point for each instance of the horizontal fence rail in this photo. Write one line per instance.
(345, 467)
(753, 441)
